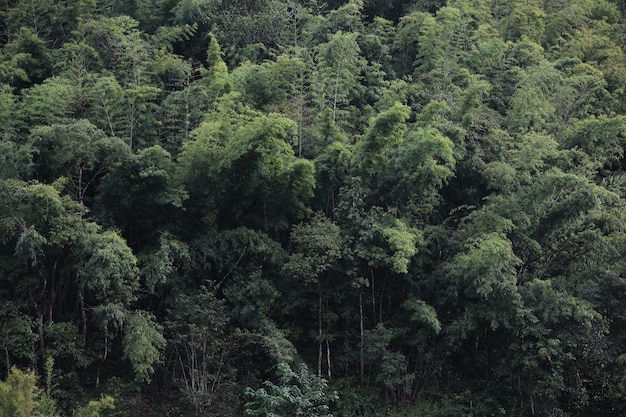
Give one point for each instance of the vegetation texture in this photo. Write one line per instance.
(289, 208)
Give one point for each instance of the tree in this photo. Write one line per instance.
(78, 151)
(375, 241)
(253, 174)
(385, 131)
(316, 247)
(599, 138)
(299, 393)
(15, 155)
(26, 60)
(71, 270)
(415, 191)
(523, 19)
(20, 396)
(143, 343)
(197, 90)
(197, 328)
(76, 62)
(406, 42)
(129, 95)
(423, 201)
(94, 407)
(51, 102)
(139, 195)
(339, 70)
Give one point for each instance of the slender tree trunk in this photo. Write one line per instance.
(106, 348)
(218, 377)
(320, 330)
(381, 298)
(98, 376)
(83, 316)
(42, 340)
(53, 292)
(373, 295)
(335, 98)
(328, 359)
(295, 9)
(81, 193)
(106, 113)
(300, 115)
(132, 122)
(40, 321)
(186, 85)
(362, 334)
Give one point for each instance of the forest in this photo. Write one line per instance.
(289, 208)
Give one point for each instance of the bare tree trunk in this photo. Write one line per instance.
(362, 334)
(320, 331)
(373, 295)
(335, 98)
(53, 292)
(301, 115)
(40, 321)
(187, 87)
(328, 359)
(83, 316)
(106, 112)
(81, 193)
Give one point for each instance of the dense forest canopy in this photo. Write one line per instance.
(297, 208)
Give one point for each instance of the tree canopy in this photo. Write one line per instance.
(303, 208)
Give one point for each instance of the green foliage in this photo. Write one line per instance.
(95, 407)
(374, 238)
(423, 314)
(17, 334)
(51, 102)
(197, 331)
(424, 199)
(406, 42)
(392, 365)
(421, 409)
(316, 246)
(141, 186)
(253, 174)
(419, 167)
(108, 266)
(523, 19)
(599, 138)
(299, 393)
(269, 85)
(78, 151)
(142, 344)
(27, 57)
(487, 269)
(20, 396)
(386, 130)
(339, 68)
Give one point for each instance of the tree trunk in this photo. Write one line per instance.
(328, 359)
(335, 98)
(373, 295)
(40, 321)
(53, 292)
(83, 316)
(320, 331)
(300, 115)
(362, 334)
